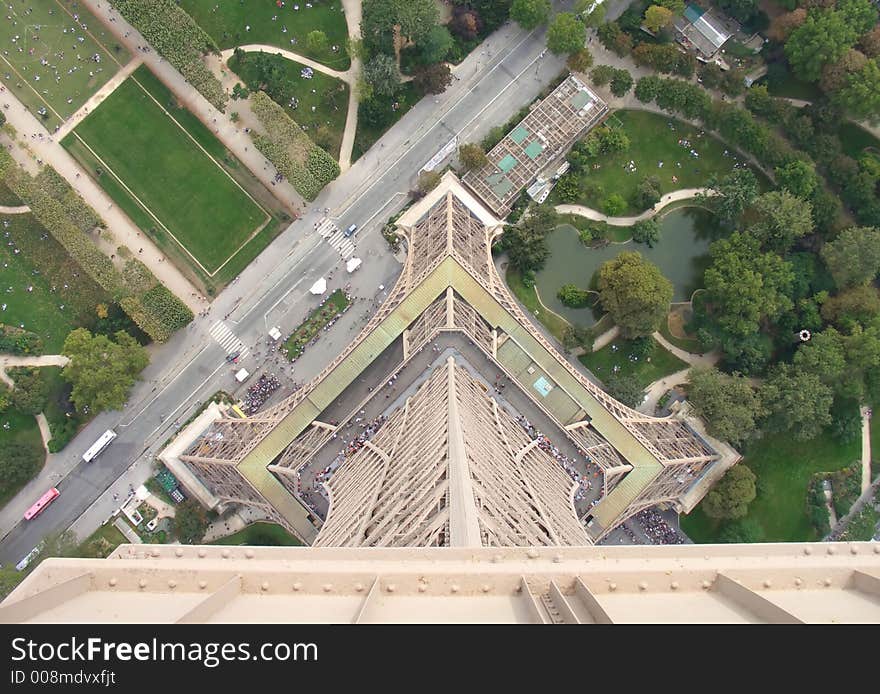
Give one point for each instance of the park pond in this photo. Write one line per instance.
(682, 255)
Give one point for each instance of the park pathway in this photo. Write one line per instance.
(39, 144)
(596, 216)
(98, 97)
(8, 361)
(229, 133)
(865, 412)
(658, 388)
(19, 209)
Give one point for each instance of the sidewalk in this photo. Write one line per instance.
(9, 361)
(866, 447)
(596, 216)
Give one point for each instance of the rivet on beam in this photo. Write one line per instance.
(142, 584)
(178, 552)
(643, 586)
(485, 587)
(203, 553)
(827, 582)
(264, 586)
(359, 587)
(496, 558)
(830, 550)
(203, 585)
(532, 553)
(557, 558)
(876, 549)
(612, 586)
(706, 585)
(112, 582)
(798, 582)
(172, 583)
(327, 587)
(249, 553)
(853, 549)
(454, 588)
(808, 550)
(225, 554)
(155, 552)
(768, 583)
(390, 588)
(423, 587)
(674, 585)
(297, 586)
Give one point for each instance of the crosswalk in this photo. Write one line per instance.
(333, 235)
(228, 340)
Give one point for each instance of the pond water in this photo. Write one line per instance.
(682, 256)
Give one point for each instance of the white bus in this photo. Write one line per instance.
(99, 445)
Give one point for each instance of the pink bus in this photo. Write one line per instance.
(41, 504)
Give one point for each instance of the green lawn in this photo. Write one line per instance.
(688, 344)
(312, 326)
(863, 526)
(22, 428)
(36, 31)
(529, 298)
(7, 197)
(321, 103)
(784, 467)
(260, 535)
(227, 22)
(784, 83)
(169, 185)
(41, 286)
(101, 543)
(616, 353)
(654, 139)
(369, 130)
(855, 140)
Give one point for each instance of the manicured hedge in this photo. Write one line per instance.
(308, 167)
(79, 211)
(163, 305)
(138, 277)
(172, 32)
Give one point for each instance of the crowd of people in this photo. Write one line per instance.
(657, 529)
(259, 392)
(585, 484)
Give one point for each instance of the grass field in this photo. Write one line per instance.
(51, 61)
(655, 139)
(529, 298)
(260, 534)
(321, 102)
(784, 467)
(856, 140)
(101, 543)
(368, 132)
(41, 287)
(227, 22)
(7, 197)
(148, 162)
(616, 353)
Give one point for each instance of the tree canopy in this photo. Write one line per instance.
(566, 34)
(733, 194)
(729, 499)
(525, 241)
(797, 402)
(731, 407)
(190, 522)
(472, 156)
(657, 17)
(780, 219)
(101, 370)
(530, 13)
(635, 293)
(854, 256)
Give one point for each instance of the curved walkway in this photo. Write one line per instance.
(596, 216)
(19, 209)
(350, 77)
(8, 361)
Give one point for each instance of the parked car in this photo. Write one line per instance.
(348, 233)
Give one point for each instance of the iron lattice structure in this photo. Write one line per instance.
(449, 467)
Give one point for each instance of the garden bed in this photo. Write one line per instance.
(331, 308)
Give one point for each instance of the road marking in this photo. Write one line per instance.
(331, 233)
(228, 340)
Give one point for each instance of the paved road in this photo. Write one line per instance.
(500, 77)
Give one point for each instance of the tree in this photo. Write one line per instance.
(798, 177)
(101, 371)
(647, 231)
(782, 26)
(858, 304)
(190, 522)
(744, 530)
(834, 75)
(602, 75)
(729, 499)
(621, 83)
(823, 38)
(428, 180)
(635, 294)
(798, 402)
(525, 243)
(316, 41)
(19, 461)
(580, 61)
(870, 43)
(31, 392)
(569, 189)
(860, 96)
(596, 17)
(733, 194)
(741, 10)
(433, 79)
(435, 45)
(780, 219)
(746, 287)
(573, 296)
(565, 34)
(472, 156)
(530, 13)
(625, 388)
(382, 75)
(648, 192)
(728, 403)
(823, 356)
(416, 18)
(854, 256)
(466, 23)
(657, 18)
(614, 204)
